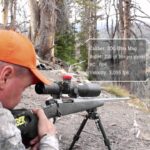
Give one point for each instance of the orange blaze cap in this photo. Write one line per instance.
(17, 49)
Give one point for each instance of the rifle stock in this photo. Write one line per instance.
(26, 121)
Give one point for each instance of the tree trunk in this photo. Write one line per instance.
(35, 19)
(48, 18)
(5, 12)
(121, 18)
(62, 24)
(44, 18)
(92, 26)
(13, 8)
(93, 19)
(127, 4)
(125, 24)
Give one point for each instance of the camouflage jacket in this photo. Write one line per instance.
(10, 136)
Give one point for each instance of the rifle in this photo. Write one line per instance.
(81, 97)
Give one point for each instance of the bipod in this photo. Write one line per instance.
(92, 114)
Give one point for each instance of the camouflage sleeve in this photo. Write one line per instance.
(10, 137)
(49, 142)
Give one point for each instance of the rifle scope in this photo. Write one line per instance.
(83, 90)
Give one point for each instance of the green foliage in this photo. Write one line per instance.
(65, 47)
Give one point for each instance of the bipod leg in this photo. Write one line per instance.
(77, 135)
(101, 128)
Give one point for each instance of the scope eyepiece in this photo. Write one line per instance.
(40, 88)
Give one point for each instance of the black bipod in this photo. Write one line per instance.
(92, 114)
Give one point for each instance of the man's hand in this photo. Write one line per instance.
(45, 126)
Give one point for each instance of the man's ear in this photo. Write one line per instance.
(6, 73)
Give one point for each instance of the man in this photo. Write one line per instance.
(17, 72)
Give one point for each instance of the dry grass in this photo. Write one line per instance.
(139, 104)
(116, 90)
(143, 105)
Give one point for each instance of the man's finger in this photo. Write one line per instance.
(35, 147)
(34, 141)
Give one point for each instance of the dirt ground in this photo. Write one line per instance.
(126, 127)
